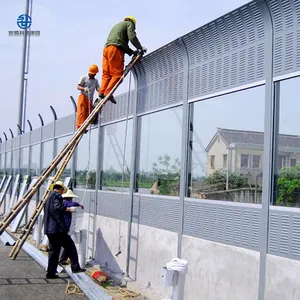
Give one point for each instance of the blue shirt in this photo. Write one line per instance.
(68, 214)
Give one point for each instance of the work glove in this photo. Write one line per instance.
(144, 50)
(86, 90)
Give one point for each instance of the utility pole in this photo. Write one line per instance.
(24, 72)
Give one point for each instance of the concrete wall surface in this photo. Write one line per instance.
(282, 278)
(219, 272)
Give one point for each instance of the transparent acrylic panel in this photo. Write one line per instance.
(47, 150)
(8, 163)
(288, 159)
(61, 142)
(86, 163)
(35, 154)
(24, 153)
(226, 145)
(160, 151)
(116, 141)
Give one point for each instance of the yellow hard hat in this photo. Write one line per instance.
(131, 18)
(93, 69)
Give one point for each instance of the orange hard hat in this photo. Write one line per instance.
(93, 69)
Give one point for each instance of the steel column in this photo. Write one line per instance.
(268, 171)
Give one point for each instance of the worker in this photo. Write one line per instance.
(87, 86)
(57, 231)
(113, 54)
(70, 207)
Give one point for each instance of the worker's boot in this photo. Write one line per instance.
(112, 99)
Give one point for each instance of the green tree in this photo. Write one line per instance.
(288, 186)
(235, 181)
(167, 174)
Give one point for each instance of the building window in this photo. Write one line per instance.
(224, 160)
(293, 162)
(281, 161)
(256, 161)
(244, 161)
(212, 161)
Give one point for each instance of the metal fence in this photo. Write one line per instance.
(256, 44)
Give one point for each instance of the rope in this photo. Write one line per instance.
(123, 165)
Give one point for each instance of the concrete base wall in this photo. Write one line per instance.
(151, 249)
(219, 272)
(282, 279)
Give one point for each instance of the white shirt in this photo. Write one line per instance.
(91, 83)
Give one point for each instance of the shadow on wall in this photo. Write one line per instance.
(104, 256)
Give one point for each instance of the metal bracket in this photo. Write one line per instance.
(74, 103)
(11, 132)
(20, 129)
(41, 119)
(53, 112)
(29, 124)
(5, 135)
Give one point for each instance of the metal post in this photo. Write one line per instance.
(23, 68)
(268, 145)
(184, 149)
(38, 228)
(29, 148)
(54, 151)
(133, 169)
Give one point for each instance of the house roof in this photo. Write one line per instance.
(230, 136)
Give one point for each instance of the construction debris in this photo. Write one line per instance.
(73, 289)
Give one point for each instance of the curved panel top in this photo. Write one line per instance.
(160, 77)
(227, 52)
(286, 20)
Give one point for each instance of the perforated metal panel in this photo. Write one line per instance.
(160, 77)
(284, 238)
(228, 223)
(16, 142)
(286, 20)
(159, 212)
(227, 52)
(47, 132)
(36, 135)
(25, 139)
(113, 112)
(113, 205)
(64, 125)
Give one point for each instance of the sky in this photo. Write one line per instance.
(72, 37)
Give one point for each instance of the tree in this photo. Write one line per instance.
(288, 186)
(167, 174)
(235, 181)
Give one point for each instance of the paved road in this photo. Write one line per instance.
(23, 279)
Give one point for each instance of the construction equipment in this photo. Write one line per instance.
(26, 231)
(67, 150)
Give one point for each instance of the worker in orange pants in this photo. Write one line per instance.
(113, 54)
(87, 86)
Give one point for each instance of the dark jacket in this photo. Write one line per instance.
(54, 221)
(121, 34)
(68, 214)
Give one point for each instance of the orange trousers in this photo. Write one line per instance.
(112, 68)
(84, 108)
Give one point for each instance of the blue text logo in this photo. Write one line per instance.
(24, 21)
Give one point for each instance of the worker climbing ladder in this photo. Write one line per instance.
(66, 153)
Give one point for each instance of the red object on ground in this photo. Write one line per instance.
(99, 275)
